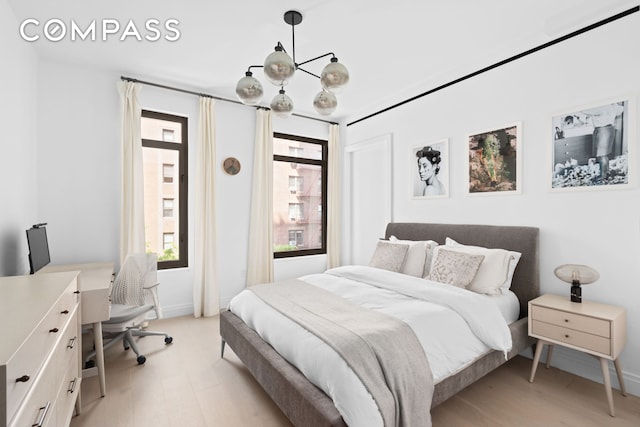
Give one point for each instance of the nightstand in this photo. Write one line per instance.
(593, 328)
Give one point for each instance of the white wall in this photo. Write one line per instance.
(597, 228)
(79, 177)
(19, 169)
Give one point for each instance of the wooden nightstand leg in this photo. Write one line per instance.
(616, 363)
(549, 353)
(536, 359)
(607, 384)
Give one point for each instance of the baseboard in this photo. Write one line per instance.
(177, 310)
(586, 366)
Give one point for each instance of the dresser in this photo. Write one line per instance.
(590, 327)
(40, 349)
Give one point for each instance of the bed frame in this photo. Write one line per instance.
(306, 405)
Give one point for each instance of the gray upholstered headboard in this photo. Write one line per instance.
(526, 279)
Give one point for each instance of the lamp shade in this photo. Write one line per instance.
(325, 103)
(279, 67)
(334, 76)
(249, 89)
(281, 104)
(576, 274)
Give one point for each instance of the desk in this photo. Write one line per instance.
(94, 281)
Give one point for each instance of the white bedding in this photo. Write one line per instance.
(451, 339)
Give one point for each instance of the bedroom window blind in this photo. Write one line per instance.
(299, 195)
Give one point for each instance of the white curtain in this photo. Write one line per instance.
(260, 262)
(132, 191)
(206, 299)
(333, 198)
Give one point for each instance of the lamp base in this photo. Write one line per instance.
(576, 293)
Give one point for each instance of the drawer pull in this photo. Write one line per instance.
(566, 335)
(72, 342)
(72, 385)
(54, 330)
(44, 409)
(76, 292)
(566, 320)
(64, 312)
(23, 379)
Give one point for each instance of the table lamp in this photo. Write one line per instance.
(576, 275)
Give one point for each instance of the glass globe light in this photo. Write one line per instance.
(282, 105)
(325, 103)
(279, 67)
(249, 89)
(335, 76)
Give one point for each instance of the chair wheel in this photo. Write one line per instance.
(141, 359)
(89, 364)
(168, 340)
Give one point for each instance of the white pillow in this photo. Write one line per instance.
(453, 267)
(496, 272)
(389, 256)
(418, 260)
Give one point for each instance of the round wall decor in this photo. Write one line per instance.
(231, 166)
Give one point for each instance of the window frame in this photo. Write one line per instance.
(323, 163)
(183, 184)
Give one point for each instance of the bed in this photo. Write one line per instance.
(306, 405)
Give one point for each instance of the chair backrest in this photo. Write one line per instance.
(138, 271)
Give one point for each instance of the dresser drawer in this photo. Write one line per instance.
(39, 403)
(66, 351)
(29, 358)
(573, 321)
(573, 337)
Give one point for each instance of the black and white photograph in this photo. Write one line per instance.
(495, 160)
(430, 170)
(592, 146)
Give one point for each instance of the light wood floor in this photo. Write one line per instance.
(187, 384)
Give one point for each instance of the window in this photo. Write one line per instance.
(167, 241)
(295, 151)
(296, 211)
(164, 155)
(167, 135)
(167, 173)
(296, 184)
(296, 238)
(299, 222)
(167, 208)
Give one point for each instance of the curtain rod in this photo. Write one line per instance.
(233, 101)
(505, 61)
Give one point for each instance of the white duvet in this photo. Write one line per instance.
(454, 326)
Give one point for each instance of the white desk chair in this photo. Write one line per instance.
(137, 277)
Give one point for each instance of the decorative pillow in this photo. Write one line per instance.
(418, 259)
(454, 267)
(389, 256)
(496, 272)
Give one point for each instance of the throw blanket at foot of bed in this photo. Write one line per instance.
(383, 351)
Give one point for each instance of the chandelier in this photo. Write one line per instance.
(279, 67)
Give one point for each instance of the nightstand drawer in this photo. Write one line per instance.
(573, 321)
(573, 337)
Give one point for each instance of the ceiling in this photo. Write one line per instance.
(393, 49)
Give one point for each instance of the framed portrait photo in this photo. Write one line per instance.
(429, 167)
(593, 146)
(495, 161)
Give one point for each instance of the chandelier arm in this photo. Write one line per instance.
(308, 72)
(316, 58)
(254, 66)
